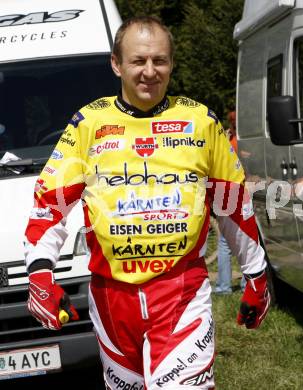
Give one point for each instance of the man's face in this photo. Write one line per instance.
(145, 67)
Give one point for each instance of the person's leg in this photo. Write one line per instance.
(178, 350)
(116, 315)
(144, 329)
(223, 283)
(243, 283)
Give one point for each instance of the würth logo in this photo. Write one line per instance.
(109, 130)
(164, 127)
(145, 147)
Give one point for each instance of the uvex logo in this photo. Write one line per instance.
(173, 126)
(154, 266)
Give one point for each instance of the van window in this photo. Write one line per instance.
(298, 72)
(37, 99)
(274, 76)
(250, 88)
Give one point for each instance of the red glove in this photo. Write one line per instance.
(255, 302)
(46, 299)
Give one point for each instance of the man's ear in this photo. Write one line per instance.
(115, 65)
(172, 67)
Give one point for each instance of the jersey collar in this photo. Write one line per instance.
(133, 111)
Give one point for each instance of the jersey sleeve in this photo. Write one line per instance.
(57, 190)
(231, 202)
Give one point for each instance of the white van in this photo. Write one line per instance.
(269, 103)
(54, 59)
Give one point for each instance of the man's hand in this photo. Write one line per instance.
(46, 299)
(255, 302)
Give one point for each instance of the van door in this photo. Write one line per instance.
(250, 119)
(281, 232)
(296, 156)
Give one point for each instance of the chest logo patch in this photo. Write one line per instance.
(174, 126)
(145, 147)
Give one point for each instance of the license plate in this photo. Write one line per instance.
(29, 361)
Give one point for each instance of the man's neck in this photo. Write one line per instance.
(129, 109)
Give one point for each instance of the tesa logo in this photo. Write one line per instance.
(164, 127)
(109, 130)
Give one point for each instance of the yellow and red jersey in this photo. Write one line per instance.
(147, 181)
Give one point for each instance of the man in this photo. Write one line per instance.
(140, 163)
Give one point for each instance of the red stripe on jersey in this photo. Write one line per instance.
(60, 202)
(232, 197)
(194, 253)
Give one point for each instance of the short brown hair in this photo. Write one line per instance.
(144, 21)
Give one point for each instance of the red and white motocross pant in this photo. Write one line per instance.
(156, 335)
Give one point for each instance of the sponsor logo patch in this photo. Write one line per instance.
(163, 228)
(67, 141)
(118, 381)
(145, 178)
(57, 155)
(212, 115)
(50, 170)
(145, 147)
(188, 141)
(201, 377)
(133, 250)
(109, 130)
(76, 119)
(98, 104)
(107, 146)
(184, 101)
(154, 266)
(41, 213)
(174, 126)
(158, 208)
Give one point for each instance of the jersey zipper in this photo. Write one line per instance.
(143, 304)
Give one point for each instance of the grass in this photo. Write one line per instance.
(267, 358)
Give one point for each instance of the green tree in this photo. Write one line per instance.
(206, 54)
(128, 8)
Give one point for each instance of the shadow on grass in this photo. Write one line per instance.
(290, 300)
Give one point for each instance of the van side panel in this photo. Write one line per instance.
(267, 165)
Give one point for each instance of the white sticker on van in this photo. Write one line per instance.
(38, 17)
(35, 29)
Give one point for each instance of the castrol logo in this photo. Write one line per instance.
(107, 146)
